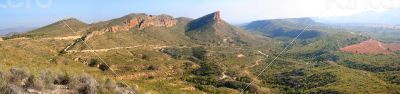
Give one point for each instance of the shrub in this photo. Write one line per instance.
(62, 79)
(110, 84)
(93, 63)
(30, 82)
(297, 81)
(33, 83)
(151, 67)
(241, 86)
(325, 92)
(1, 75)
(244, 79)
(208, 69)
(104, 67)
(47, 78)
(199, 52)
(88, 85)
(17, 75)
(11, 89)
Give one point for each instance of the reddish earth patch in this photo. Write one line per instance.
(371, 47)
(393, 47)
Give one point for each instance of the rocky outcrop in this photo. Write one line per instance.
(142, 22)
(213, 18)
(1, 39)
(217, 16)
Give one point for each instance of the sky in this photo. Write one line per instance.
(36, 13)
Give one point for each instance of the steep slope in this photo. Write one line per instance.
(140, 21)
(136, 29)
(212, 30)
(57, 29)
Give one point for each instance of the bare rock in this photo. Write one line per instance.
(240, 55)
(157, 21)
(142, 22)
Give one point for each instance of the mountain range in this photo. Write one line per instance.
(160, 54)
(389, 16)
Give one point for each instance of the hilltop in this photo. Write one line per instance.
(211, 29)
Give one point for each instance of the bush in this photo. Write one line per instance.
(199, 52)
(240, 86)
(325, 92)
(368, 67)
(11, 89)
(17, 75)
(110, 84)
(18, 83)
(104, 67)
(297, 81)
(47, 78)
(1, 74)
(244, 79)
(152, 67)
(33, 83)
(88, 85)
(93, 63)
(30, 82)
(62, 79)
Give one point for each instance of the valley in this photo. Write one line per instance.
(159, 54)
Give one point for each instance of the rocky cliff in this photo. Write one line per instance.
(132, 21)
(210, 19)
(142, 21)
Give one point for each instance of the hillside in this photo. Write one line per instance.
(211, 29)
(57, 29)
(371, 47)
(160, 54)
(285, 27)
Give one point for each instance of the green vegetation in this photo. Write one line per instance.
(18, 81)
(297, 81)
(205, 55)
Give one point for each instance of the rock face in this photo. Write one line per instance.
(144, 21)
(134, 21)
(212, 30)
(213, 18)
(217, 16)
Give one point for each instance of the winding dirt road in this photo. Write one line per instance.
(101, 50)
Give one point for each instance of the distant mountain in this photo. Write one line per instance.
(16, 30)
(284, 27)
(57, 29)
(370, 17)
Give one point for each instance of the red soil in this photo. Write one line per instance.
(371, 47)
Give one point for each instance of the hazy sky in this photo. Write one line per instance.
(35, 13)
